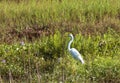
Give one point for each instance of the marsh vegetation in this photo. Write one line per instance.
(33, 41)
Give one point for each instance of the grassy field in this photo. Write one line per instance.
(34, 38)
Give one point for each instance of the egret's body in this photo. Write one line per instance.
(74, 52)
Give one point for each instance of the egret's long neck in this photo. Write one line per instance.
(70, 42)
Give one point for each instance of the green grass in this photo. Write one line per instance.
(29, 19)
(101, 55)
(44, 27)
(43, 12)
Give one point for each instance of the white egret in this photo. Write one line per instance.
(73, 51)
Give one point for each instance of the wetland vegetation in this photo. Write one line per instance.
(34, 38)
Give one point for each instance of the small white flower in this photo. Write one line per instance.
(17, 49)
(42, 58)
(60, 82)
(22, 43)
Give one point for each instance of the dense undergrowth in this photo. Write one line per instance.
(34, 38)
(49, 56)
(30, 19)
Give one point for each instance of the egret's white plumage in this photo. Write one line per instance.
(73, 51)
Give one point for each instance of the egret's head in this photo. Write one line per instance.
(71, 35)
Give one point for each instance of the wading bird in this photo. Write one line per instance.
(73, 51)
